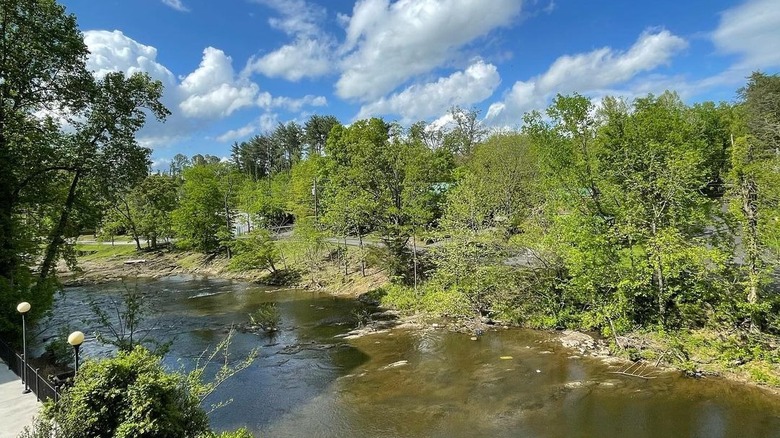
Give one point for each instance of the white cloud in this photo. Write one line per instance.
(265, 123)
(114, 51)
(267, 101)
(176, 4)
(297, 17)
(387, 44)
(589, 73)
(310, 52)
(417, 102)
(213, 90)
(751, 31)
(303, 58)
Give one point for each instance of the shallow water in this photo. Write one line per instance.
(309, 382)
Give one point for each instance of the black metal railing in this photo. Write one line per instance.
(40, 385)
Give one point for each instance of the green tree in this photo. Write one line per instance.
(49, 173)
(316, 131)
(497, 187)
(153, 201)
(627, 207)
(378, 179)
(255, 251)
(755, 178)
(202, 220)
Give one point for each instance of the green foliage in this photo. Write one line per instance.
(58, 350)
(380, 178)
(626, 210)
(255, 251)
(432, 300)
(52, 178)
(495, 188)
(131, 395)
(754, 183)
(152, 201)
(203, 220)
(266, 316)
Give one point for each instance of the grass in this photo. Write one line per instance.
(95, 251)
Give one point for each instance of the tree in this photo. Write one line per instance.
(316, 132)
(466, 133)
(45, 167)
(626, 208)
(289, 140)
(153, 201)
(497, 187)
(179, 162)
(380, 178)
(256, 251)
(202, 220)
(755, 177)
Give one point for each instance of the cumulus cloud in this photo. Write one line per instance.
(211, 92)
(387, 44)
(176, 4)
(296, 17)
(310, 54)
(213, 89)
(752, 32)
(114, 51)
(462, 88)
(588, 73)
(303, 58)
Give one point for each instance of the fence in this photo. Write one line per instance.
(40, 385)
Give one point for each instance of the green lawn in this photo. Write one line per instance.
(98, 251)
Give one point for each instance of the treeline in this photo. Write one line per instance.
(635, 213)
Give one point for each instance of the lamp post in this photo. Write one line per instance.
(76, 339)
(23, 308)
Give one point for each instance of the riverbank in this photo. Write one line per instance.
(736, 355)
(105, 263)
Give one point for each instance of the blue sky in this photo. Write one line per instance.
(236, 68)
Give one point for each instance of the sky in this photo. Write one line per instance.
(233, 69)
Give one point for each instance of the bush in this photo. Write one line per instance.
(266, 316)
(131, 395)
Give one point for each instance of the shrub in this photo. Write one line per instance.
(130, 395)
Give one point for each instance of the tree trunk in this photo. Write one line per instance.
(414, 258)
(659, 277)
(362, 255)
(55, 237)
(346, 266)
(749, 195)
(227, 224)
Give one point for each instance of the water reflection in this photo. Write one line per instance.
(510, 383)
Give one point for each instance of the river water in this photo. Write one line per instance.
(309, 382)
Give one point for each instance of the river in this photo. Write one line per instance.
(308, 381)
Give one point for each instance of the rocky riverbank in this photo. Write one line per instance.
(163, 263)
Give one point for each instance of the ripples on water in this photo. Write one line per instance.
(307, 382)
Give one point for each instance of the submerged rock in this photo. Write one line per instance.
(400, 363)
